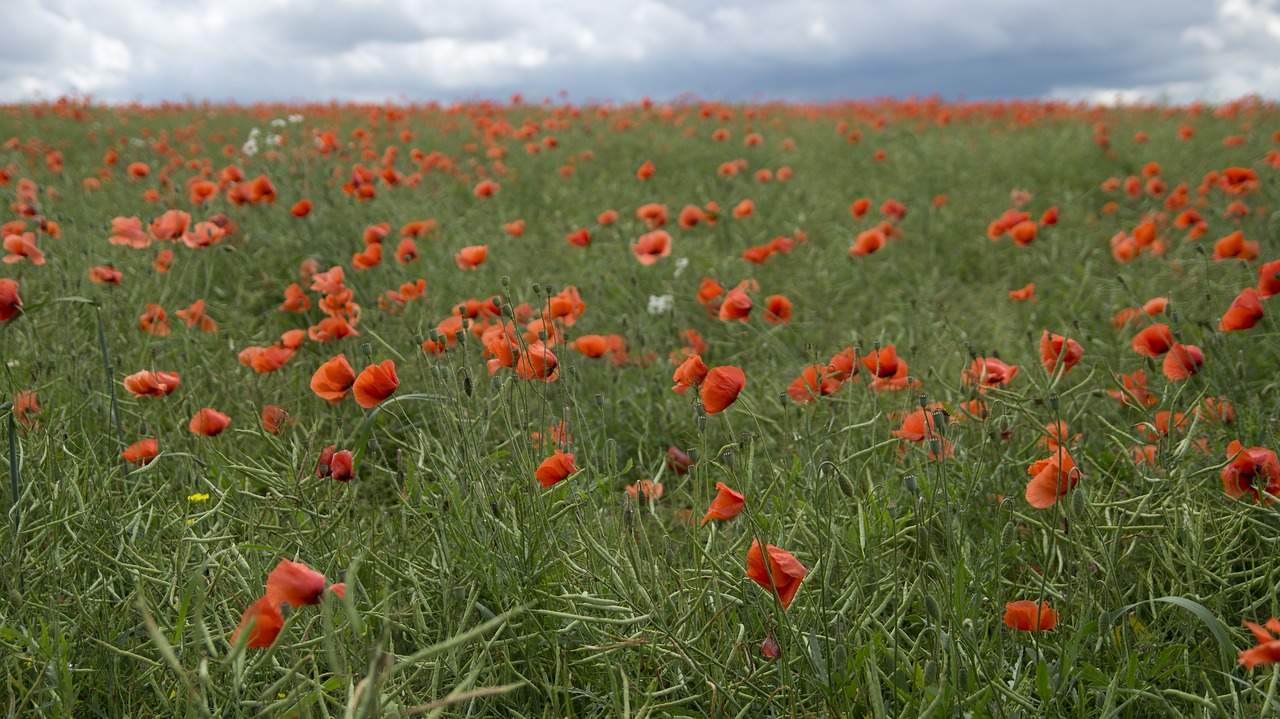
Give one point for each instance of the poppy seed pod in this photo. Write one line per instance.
(909, 482)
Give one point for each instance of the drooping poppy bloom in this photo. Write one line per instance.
(376, 383)
(106, 275)
(266, 620)
(342, 465)
(1268, 649)
(333, 380)
(555, 468)
(10, 302)
(537, 361)
(274, 419)
(1153, 341)
(1245, 311)
(1055, 349)
(208, 422)
(652, 246)
(151, 384)
(1182, 362)
(141, 452)
(294, 584)
(325, 466)
(1252, 471)
(1027, 616)
(783, 575)
(726, 505)
(1051, 479)
(989, 372)
(1025, 294)
(720, 388)
(471, 257)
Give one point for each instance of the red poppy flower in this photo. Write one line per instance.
(10, 302)
(341, 465)
(783, 575)
(22, 246)
(1182, 362)
(1135, 390)
(537, 362)
(301, 209)
(163, 261)
(24, 405)
(1268, 649)
(726, 505)
(1057, 435)
(652, 246)
(1216, 409)
(154, 321)
(208, 422)
(1234, 246)
(608, 217)
(1027, 616)
(294, 584)
(867, 241)
(989, 372)
(843, 365)
(1251, 471)
(736, 305)
(333, 379)
(1246, 310)
(369, 258)
(141, 452)
(883, 362)
(274, 419)
(472, 257)
(151, 384)
(646, 171)
(1153, 341)
(1055, 349)
(860, 207)
(1051, 479)
(720, 388)
(744, 209)
(649, 488)
(107, 275)
(555, 469)
(127, 231)
(1026, 294)
(678, 461)
(653, 214)
(814, 381)
(266, 620)
(406, 251)
(486, 188)
(194, 315)
(1269, 279)
(172, 225)
(295, 300)
(777, 309)
(579, 238)
(376, 383)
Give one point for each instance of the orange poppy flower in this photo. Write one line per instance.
(1051, 479)
(736, 305)
(295, 300)
(22, 246)
(106, 275)
(127, 231)
(1055, 349)
(652, 246)
(919, 425)
(989, 372)
(814, 381)
(341, 465)
(1057, 435)
(1216, 409)
(1182, 362)
(708, 291)
(690, 373)
(1027, 616)
(274, 419)
(591, 345)
(1268, 649)
(843, 365)
(471, 257)
(1050, 216)
(1245, 311)
(163, 262)
(154, 321)
(883, 362)
(301, 208)
(1269, 279)
(744, 209)
(1027, 293)
(555, 468)
(783, 575)
(1024, 232)
(1234, 246)
(646, 171)
(537, 362)
(171, 225)
(151, 384)
(1153, 341)
(371, 257)
(194, 315)
(266, 622)
(1252, 471)
(486, 188)
(1135, 390)
(375, 384)
(720, 388)
(653, 214)
(726, 505)
(138, 169)
(777, 309)
(579, 238)
(514, 228)
(141, 452)
(867, 241)
(208, 422)
(860, 207)
(608, 217)
(10, 302)
(333, 380)
(24, 405)
(294, 584)
(648, 487)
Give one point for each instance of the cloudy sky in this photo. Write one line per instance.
(374, 50)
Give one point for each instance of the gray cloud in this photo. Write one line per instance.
(252, 50)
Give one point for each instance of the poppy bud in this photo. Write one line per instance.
(542, 336)
(418, 340)
(459, 336)
(702, 422)
(931, 672)
(909, 481)
(782, 398)
(537, 288)
(932, 609)
(1006, 534)
(506, 282)
(435, 372)
(840, 656)
(963, 677)
(1078, 503)
(940, 422)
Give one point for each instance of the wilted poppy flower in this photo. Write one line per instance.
(10, 302)
(274, 419)
(1055, 349)
(472, 257)
(726, 505)
(107, 275)
(1051, 479)
(341, 465)
(208, 422)
(652, 246)
(333, 379)
(1246, 310)
(1252, 471)
(1182, 362)
(294, 584)
(141, 452)
(151, 384)
(1025, 294)
(376, 383)
(266, 620)
(1153, 341)
(783, 574)
(989, 372)
(1027, 616)
(720, 388)
(555, 468)
(1268, 649)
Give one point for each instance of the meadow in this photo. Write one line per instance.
(890, 408)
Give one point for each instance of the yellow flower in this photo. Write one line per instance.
(197, 497)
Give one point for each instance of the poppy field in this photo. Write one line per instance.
(891, 408)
